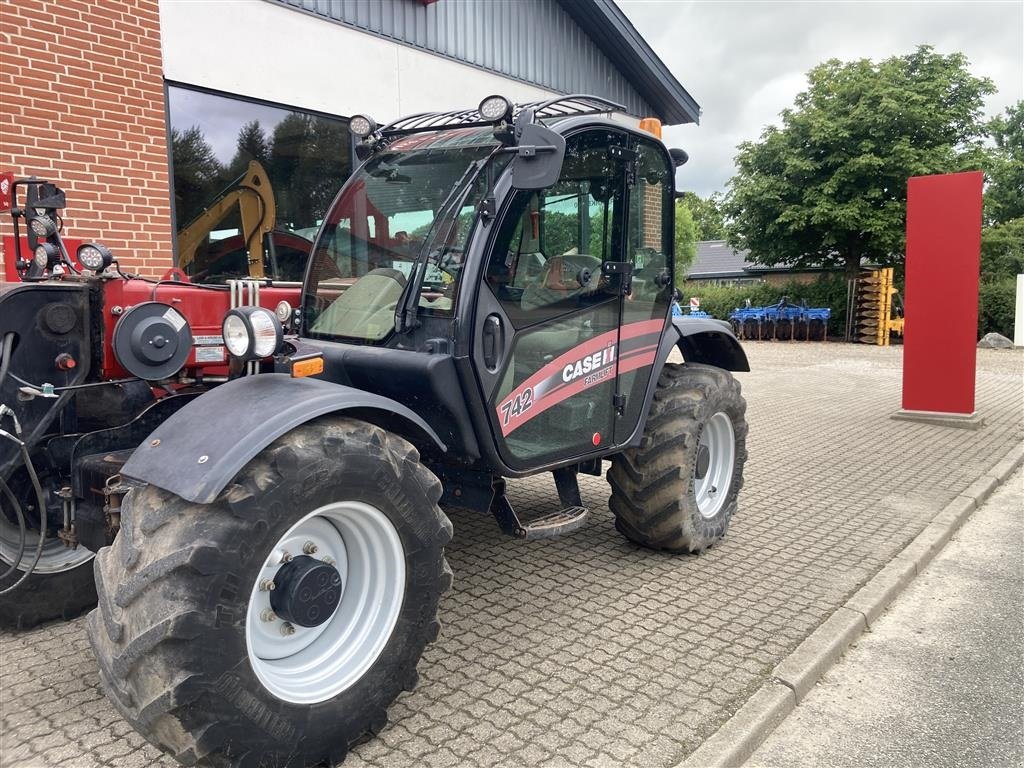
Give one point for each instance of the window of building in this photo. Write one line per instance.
(229, 224)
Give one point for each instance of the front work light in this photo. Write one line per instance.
(94, 256)
(42, 226)
(495, 109)
(362, 126)
(47, 256)
(251, 333)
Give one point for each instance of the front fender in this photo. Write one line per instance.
(201, 448)
(708, 341)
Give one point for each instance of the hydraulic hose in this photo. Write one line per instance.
(41, 500)
(21, 529)
(6, 347)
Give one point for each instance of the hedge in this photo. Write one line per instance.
(995, 300)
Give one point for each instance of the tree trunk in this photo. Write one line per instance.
(852, 264)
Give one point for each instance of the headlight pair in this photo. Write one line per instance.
(251, 333)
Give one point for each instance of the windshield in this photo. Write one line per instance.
(397, 204)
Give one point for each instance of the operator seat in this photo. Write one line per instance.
(365, 308)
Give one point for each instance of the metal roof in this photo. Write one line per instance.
(716, 259)
(566, 46)
(608, 26)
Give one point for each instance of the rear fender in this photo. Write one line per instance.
(700, 340)
(201, 448)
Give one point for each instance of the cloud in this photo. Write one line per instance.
(745, 62)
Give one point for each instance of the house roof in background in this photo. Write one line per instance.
(716, 259)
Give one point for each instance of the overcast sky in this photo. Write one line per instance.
(744, 62)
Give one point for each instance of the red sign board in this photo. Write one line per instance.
(941, 301)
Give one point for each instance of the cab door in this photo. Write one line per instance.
(546, 348)
(648, 250)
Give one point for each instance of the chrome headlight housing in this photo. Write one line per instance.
(251, 333)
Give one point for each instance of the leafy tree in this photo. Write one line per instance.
(308, 163)
(829, 187)
(1002, 250)
(686, 241)
(1004, 198)
(707, 215)
(196, 173)
(252, 144)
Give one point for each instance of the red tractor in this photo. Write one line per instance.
(92, 359)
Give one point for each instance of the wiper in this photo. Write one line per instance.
(408, 307)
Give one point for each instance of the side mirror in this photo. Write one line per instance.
(679, 156)
(539, 156)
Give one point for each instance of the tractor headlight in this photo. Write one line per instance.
(362, 126)
(251, 333)
(495, 108)
(94, 256)
(46, 255)
(42, 226)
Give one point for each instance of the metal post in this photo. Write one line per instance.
(1018, 321)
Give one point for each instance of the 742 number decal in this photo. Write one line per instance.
(518, 406)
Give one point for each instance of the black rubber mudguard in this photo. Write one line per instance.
(709, 341)
(198, 451)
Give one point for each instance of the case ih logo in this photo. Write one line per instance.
(584, 366)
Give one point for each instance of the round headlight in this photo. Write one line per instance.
(236, 335)
(362, 126)
(42, 226)
(495, 108)
(46, 255)
(266, 332)
(94, 256)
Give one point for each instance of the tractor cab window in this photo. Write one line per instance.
(550, 250)
(374, 236)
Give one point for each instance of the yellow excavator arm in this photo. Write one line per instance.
(255, 200)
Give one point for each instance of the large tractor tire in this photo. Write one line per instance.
(276, 625)
(677, 491)
(61, 583)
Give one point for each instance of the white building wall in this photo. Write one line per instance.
(267, 51)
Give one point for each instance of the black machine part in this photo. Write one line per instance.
(152, 340)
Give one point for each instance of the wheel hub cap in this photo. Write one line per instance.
(306, 591)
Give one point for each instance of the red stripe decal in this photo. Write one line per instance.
(584, 366)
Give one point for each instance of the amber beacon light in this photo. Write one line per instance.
(651, 125)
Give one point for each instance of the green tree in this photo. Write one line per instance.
(308, 164)
(251, 144)
(707, 215)
(1004, 197)
(686, 241)
(196, 173)
(1002, 250)
(828, 188)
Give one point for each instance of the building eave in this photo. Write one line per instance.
(619, 40)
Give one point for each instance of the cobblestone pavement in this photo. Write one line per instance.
(586, 650)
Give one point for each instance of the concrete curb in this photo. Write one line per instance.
(732, 744)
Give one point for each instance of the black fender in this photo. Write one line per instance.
(200, 449)
(705, 340)
(700, 340)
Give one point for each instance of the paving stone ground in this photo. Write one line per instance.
(586, 650)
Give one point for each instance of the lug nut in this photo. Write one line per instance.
(267, 585)
(268, 615)
(329, 560)
(287, 629)
(309, 548)
(286, 557)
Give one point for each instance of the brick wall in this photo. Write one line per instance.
(82, 95)
(652, 215)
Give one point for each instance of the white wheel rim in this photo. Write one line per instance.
(317, 663)
(55, 558)
(712, 489)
